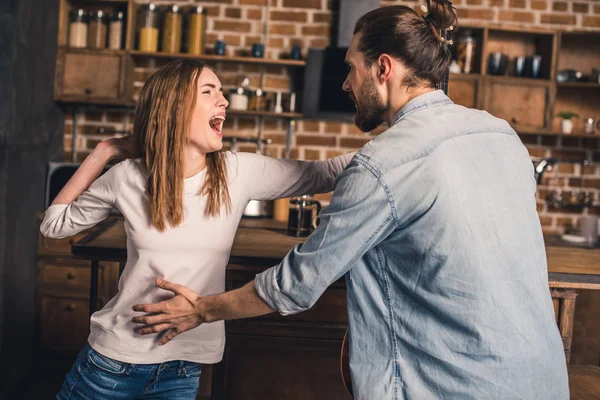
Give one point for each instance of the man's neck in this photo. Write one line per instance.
(399, 100)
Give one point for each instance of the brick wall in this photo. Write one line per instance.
(307, 23)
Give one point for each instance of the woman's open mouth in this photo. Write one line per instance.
(216, 124)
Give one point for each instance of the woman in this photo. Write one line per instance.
(182, 201)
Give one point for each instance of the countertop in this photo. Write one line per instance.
(263, 242)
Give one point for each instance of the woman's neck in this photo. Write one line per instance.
(193, 162)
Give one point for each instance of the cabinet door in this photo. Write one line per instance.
(523, 105)
(65, 323)
(280, 368)
(89, 76)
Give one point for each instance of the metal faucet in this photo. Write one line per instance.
(541, 165)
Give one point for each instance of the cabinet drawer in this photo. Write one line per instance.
(71, 277)
(64, 323)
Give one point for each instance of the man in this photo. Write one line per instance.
(434, 226)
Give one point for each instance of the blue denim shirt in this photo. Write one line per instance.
(434, 225)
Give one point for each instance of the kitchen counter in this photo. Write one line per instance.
(306, 345)
(263, 242)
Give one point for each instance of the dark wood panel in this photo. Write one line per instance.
(463, 92)
(584, 382)
(65, 323)
(294, 369)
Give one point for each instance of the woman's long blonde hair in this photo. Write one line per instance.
(161, 131)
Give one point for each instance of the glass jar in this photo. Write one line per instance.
(97, 30)
(148, 24)
(78, 28)
(115, 30)
(467, 45)
(171, 41)
(196, 31)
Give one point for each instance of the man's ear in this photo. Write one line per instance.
(384, 66)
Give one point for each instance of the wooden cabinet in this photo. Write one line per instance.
(86, 76)
(524, 104)
(298, 355)
(464, 90)
(62, 295)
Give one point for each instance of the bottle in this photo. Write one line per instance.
(97, 30)
(196, 33)
(467, 45)
(78, 28)
(148, 28)
(115, 31)
(171, 42)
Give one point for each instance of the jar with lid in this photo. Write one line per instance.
(115, 30)
(257, 100)
(148, 25)
(78, 28)
(171, 41)
(467, 45)
(196, 30)
(238, 98)
(97, 30)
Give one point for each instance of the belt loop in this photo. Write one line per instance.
(181, 368)
(129, 369)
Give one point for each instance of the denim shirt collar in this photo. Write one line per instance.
(428, 100)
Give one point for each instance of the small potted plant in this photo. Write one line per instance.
(566, 125)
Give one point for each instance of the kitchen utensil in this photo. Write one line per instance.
(568, 75)
(296, 53)
(589, 229)
(497, 63)
(519, 66)
(303, 214)
(220, 47)
(532, 66)
(258, 208)
(588, 126)
(258, 50)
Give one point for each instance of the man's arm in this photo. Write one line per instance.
(187, 309)
(359, 217)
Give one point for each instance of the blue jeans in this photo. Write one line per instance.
(94, 376)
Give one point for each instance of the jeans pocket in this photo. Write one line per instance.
(106, 364)
(192, 369)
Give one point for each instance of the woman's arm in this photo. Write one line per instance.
(268, 178)
(76, 207)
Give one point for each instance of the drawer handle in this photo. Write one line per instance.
(71, 275)
(515, 120)
(88, 91)
(70, 307)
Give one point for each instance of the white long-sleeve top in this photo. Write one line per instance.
(193, 254)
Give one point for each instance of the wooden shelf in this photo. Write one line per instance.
(84, 50)
(465, 77)
(518, 80)
(560, 134)
(239, 113)
(77, 100)
(212, 57)
(578, 85)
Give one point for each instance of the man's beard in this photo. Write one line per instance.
(369, 109)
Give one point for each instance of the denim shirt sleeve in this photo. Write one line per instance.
(359, 217)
